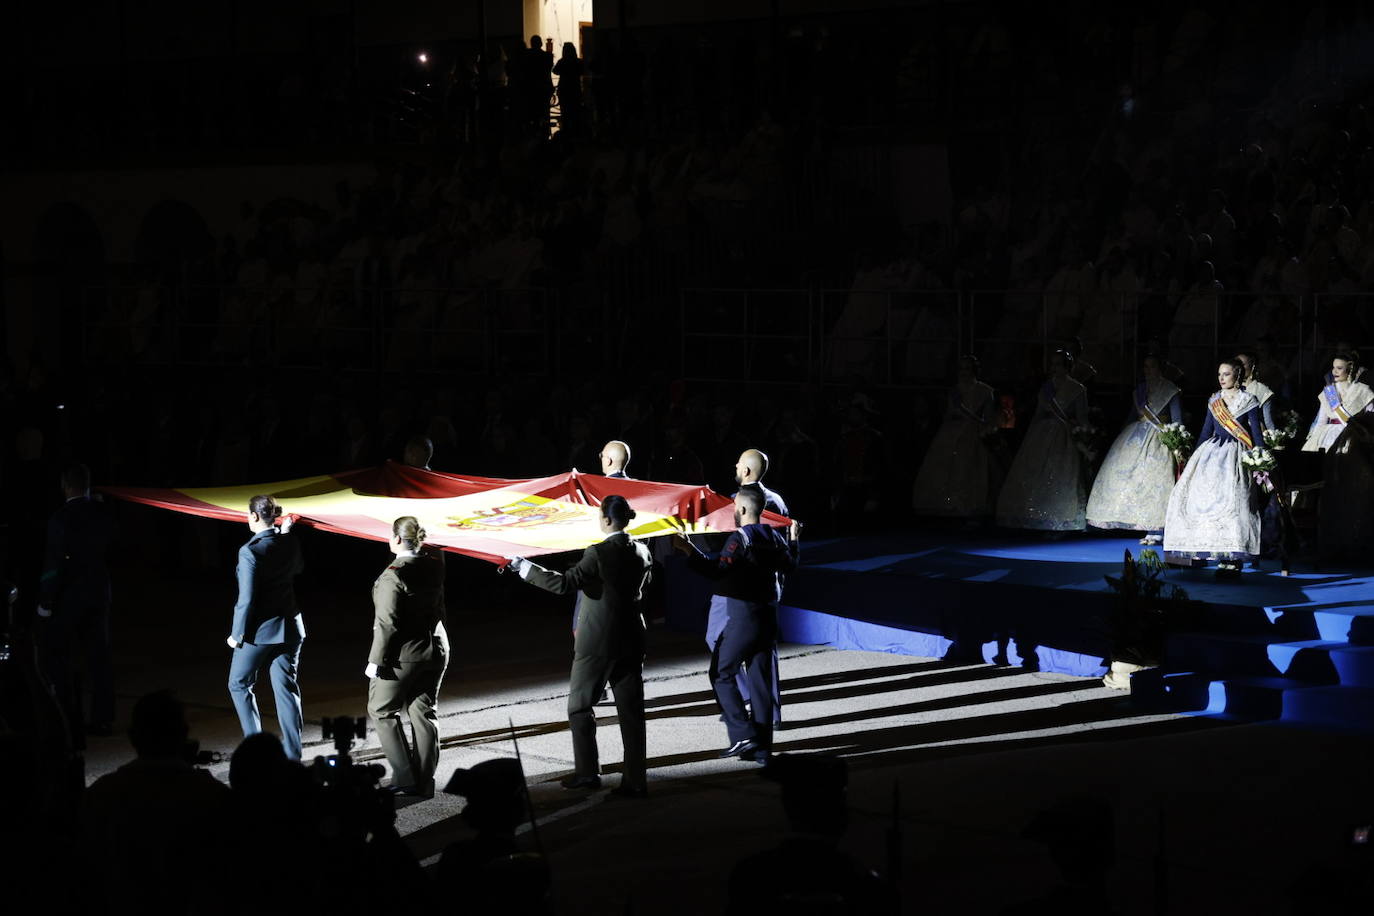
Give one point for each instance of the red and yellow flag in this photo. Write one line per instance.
(484, 517)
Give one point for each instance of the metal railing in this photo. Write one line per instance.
(889, 337)
(910, 338)
(762, 335)
(453, 330)
(893, 337)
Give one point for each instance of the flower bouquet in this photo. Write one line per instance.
(1277, 439)
(1178, 441)
(1259, 461)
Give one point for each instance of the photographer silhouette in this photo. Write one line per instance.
(144, 839)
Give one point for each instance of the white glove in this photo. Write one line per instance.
(370, 671)
(520, 566)
(232, 643)
(286, 523)
(44, 612)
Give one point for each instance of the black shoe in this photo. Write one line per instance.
(412, 791)
(740, 748)
(580, 782)
(624, 791)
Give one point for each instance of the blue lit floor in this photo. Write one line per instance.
(1078, 563)
(1018, 598)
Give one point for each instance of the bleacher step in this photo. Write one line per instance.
(1243, 698)
(1251, 697)
(1351, 625)
(1158, 690)
(1354, 665)
(1354, 625)
(1331, 707)
(1254, 655)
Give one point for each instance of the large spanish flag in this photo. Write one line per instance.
(484, 517)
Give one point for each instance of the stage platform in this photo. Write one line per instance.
(1016, 598)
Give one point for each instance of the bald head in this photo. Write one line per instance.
(615, 457)
(751, 467)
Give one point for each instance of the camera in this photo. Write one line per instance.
(338, 768)
(342, 730)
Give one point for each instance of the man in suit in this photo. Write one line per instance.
(748, 584)
(615, 459)
(608, 647)
(74, 602)
(408, 658)
(268, 630)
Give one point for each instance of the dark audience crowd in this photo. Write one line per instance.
(1180, 181)
(161, 835)
(523, 297)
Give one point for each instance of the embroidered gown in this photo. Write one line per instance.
(1338, 402)
(1209, 513)
(1133, 485)
(956, 477)
(1045, 489)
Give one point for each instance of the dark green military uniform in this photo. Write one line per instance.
(410, 650)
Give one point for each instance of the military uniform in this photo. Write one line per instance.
(410, 650)
(748, 575)
(715, 623)
(608, 647)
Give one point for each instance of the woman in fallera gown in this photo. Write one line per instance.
(1209, 514)
(956, 479)
(1132, 488)
(1341, 399)
(1344, 432)
(1045, 489)
(1345, 520)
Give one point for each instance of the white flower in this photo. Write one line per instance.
(1258, 459)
